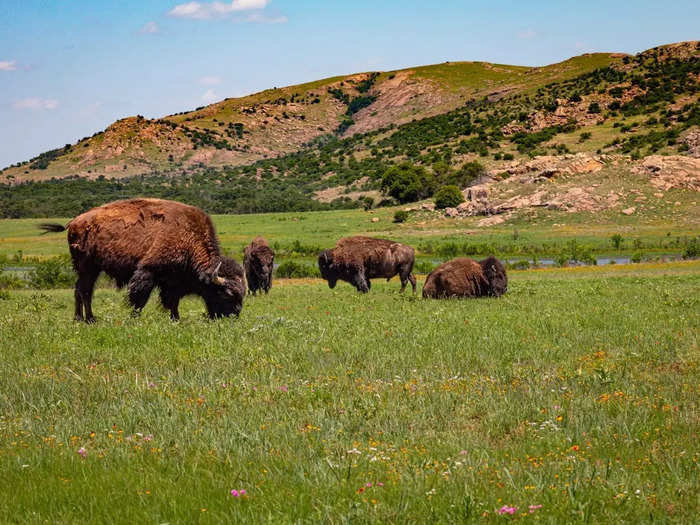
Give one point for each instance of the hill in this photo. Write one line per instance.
(330, 143)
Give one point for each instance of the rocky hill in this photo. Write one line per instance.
(330, 143)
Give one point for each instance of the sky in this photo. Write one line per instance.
(69, 68)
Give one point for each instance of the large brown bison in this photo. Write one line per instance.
(147, 243)
(258, 261)
(356, 260)
(467, 278)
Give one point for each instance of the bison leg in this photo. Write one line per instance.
(140, 286)
(361, 282)
(84, 288)
(412, 279)
(170, 301)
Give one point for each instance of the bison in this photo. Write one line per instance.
(356, 260)
(466, 278)
(258, 261)
(147, 243)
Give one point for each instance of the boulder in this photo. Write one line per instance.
(629, 211)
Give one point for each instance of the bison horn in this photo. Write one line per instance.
(215, 276)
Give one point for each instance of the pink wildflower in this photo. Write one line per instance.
(82, 452)
(505, 509)
(242, 492)
(368, 485)
(380, 484)
(151, 384)
(284, 388)
(463, 452)
(148, 437)
(235, 493)
(533, 508)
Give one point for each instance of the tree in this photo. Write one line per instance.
(448, 197)
(408, 183)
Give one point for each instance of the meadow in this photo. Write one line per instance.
(573, 398)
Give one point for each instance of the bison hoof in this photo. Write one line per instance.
(90, 320)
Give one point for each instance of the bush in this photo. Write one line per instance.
(291, 269)
(448, 197)
(424, 267)
(408, 183)
(692, 249)
(53, 273)
(616, 240)
(400, 216)
(636, 257)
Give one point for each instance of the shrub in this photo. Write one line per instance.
(424, 267)
(616, 240)
(408, 183)
(594, 107)
(400, 216)
(636, 257)
(290, 269)
(448, 197)
(692, 249)
(53, 273)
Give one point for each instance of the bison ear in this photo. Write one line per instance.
(215, 276)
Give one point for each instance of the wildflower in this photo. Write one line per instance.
(242, 492)
(380, 484)
(368, 485)
(575, 448)
(82, 452)
(148, 437)
(235, 493)
(505, 509)
(463, 452)
(533, 508)
(284, 388)
(151, 384)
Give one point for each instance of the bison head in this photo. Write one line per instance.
(495, 275)
(224, 295)
(325, 265)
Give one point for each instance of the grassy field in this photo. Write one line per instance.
(573, 398)
(662, 233)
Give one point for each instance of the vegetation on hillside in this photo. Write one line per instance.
(435, 151)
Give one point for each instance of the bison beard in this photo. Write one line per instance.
(466, 278)
(258, 260)
(356, 260)
(148, 243)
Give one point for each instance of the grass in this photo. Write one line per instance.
(660, 231)
(576, 391)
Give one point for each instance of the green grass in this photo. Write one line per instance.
(663, 231)
(576, 391)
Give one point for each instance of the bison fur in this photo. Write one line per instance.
(356, 260)
(465, 277)
(147, 243)
(258, 261)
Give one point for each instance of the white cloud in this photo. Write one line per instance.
(149, 28)
(209, 10)
(262, 19)
(210, 81)
(528, 34)
(35, 103)
(209, 96)
(10, 65)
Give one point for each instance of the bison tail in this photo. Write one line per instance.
(51, 227)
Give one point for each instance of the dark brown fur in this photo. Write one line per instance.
(466, 278)
(147, 243)
(356, 260)
(258, 260)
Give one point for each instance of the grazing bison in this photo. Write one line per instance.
(356, 260)
(258, 260)
(147, 243)
(466, 278)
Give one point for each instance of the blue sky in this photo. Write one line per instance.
(69, 68)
